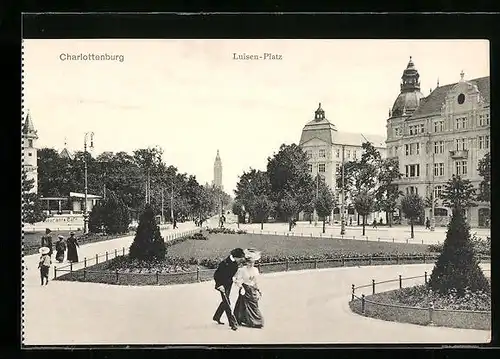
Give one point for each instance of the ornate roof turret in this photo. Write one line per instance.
(319, 114)
(28, 127)
(217, 158)
(410, 95)
(410, 78)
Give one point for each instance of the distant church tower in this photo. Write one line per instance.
(30, 163)
(218, 172)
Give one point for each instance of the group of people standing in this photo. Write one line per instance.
(46, 251)
(239, 269)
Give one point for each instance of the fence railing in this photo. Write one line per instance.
(425, 315)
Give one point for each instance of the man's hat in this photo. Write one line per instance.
(60, 236)
(71, 233)
(47, 230)
(44, 250)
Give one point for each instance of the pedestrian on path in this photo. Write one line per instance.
(427, 223)
(47, 241)
(175, 223)
(72, 245)
(60, 249)
(44, 264)
(374, 223)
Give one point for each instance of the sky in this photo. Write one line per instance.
(192, 98)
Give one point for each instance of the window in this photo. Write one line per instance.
(484, 119)
(407, 149)
(30, 154)
(348, 154)
(438, 169)
(411, 130)
(461, 123)
(310, 168)
(338, 153)
(439, 126)
(439, 147)
(460, 144)
(309, 154)
(422, 128)
(321, 167)
(412, 170)
(417, 148)
(461, 168)
(397, 131)
(396, 148)
(437, 191)
(337, 167)
(322, 153)
(411, 190)
(355, 154)
(484, 142)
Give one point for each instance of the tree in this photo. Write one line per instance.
(388, 193)
(309, 210)
(239, 212)
(32, 208)
(252, 184)
(289, 207)
(412, 206)
(458, 193)
(325, 202)
(116, 216)
(148, 243)
(484, 170)
(290, 179)
(364, 206)
(457, 266)
(261, 208)
(96, 218)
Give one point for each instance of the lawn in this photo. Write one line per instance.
(219, 246)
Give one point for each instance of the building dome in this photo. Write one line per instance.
(407, 102)
(410, 95)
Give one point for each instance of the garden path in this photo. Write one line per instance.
(299, 307)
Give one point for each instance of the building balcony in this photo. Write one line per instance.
(457, 155)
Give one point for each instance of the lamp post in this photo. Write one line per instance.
(317, 192)
(172, 203)
(342, 220)
(85, 208)
(433, 219)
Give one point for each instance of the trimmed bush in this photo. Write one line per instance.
(148, 243)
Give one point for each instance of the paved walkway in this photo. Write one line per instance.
(399, 234)
(299, 307)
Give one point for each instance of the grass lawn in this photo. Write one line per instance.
(219, 246)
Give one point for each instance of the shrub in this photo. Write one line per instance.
(199, 236)
(225, 231)
(457, 267)
(148, 243)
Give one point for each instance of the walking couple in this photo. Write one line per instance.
(246, 310)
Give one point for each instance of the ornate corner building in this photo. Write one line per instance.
(443, 134)
(30, 153)
(323, 144)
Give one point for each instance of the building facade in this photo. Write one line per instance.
(30, 152)
(438, 136)
(218, 172)
(323, 144)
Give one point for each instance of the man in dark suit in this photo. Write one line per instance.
(223, 277)
(47, 241)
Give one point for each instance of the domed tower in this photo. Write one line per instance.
(30, 162)
(410, 95)
(218, 171)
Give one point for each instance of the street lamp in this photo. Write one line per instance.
(433, 219)
(85, 210)
(342, 220)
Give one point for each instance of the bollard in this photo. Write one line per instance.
(315, 264)
(71, 267)
(373, 286)
(431, 314)
(406, 240)
(96, 259)
(343, 263)
(157, 277)
(84, 274)
(371, 260)
(116, 253)
(116, 274)
(425, 277)
(197, 274)
(352, 297)
(106, 256)
(397, 258)
(85, 262)
(363, 303)
(424, 260)
(55, 272)
(392, 239)
(378, 239)
(311, 235)
(367, 238)
(422, 241)
(400, 282)
(287, 265)
(123, 251)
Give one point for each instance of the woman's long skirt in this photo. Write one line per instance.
(60, 255)
(72, 253)
(246, 309)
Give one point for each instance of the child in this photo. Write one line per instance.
(44, 264)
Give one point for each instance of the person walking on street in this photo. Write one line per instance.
(175, 223)
(60, 249)
(47, 241)
(427, 223)
(223, 277)
(44, 264)
(72, 245)
(375, 223)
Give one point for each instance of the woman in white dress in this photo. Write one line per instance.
(246, 309)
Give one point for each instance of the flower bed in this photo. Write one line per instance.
(481, 246)
(411, 305)
(226, 231)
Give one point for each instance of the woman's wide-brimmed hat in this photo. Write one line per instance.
(252, 254)
(60, 236)
(71, 233)
(44, 250)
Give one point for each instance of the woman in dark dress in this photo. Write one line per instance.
(60, 249)
(246, 309)
(72, 245)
